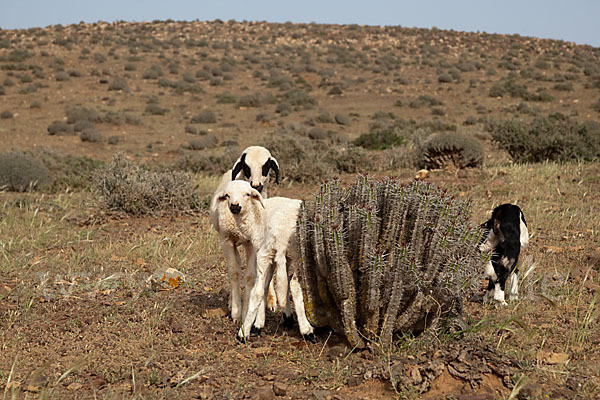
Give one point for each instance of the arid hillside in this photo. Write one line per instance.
(488, 118)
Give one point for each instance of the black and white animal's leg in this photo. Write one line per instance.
(513, 292)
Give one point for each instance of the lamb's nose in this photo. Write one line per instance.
(235, 208)
(259, 187)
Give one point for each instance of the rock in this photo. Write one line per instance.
(337, 351)
(421, 174)
(166, 279)
(319, 394)
(264, 394)
(214, 313)
(280, 388)
(74, 386)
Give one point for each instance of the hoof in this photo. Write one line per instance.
(254, 331)
(310, 338)
(288, 321)
(240, 339)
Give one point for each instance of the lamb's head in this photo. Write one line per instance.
(255, 164)
(240, 197)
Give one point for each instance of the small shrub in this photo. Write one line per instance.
(300, 99)
(191, 129)
(112, 140)
(342, 119)
(79, 113)
(155, 109)
(90, 135)
(445, 78)
(425, 100)
(118, 83)
(20, 172)
(60, 129)
(6, 114)
(62, 76)
(226, 98)
(204, 117)
(203, 142)
(324, 117)
(380, 139)
(250, 100)
(284, 108)
(127, 187)
(450, 149)
(317, 134)
(82, 124)
(335, 90)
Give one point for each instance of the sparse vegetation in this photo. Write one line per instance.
(551, 138)
(127, 187)
(20, 172)
(68, 260)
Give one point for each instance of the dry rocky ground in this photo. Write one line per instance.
(78, 319)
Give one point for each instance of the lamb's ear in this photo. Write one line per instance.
(271, 164)
(256, 196)
(222, 196)
(239, 166)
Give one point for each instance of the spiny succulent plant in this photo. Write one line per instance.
(381, 257)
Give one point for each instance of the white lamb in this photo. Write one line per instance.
(254, 165)
(271, 226)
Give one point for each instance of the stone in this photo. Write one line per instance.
(166, 279)
(280, 388)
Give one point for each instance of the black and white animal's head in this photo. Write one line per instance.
(507, 220)
(240, 195)
(254, 166)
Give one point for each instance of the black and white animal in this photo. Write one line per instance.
(506, 236)
(253, 166)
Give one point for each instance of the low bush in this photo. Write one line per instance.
(204, 117)
(553, 138)
(59, 128)
(380, 139)
(90, 134)
(127, 187)
(203, 142)
(450, 149)
(20, 172)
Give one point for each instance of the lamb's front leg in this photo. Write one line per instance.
(259, 323)
(257, 294)
(234, 262)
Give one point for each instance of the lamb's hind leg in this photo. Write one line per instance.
(234, 262)
(306, 328)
